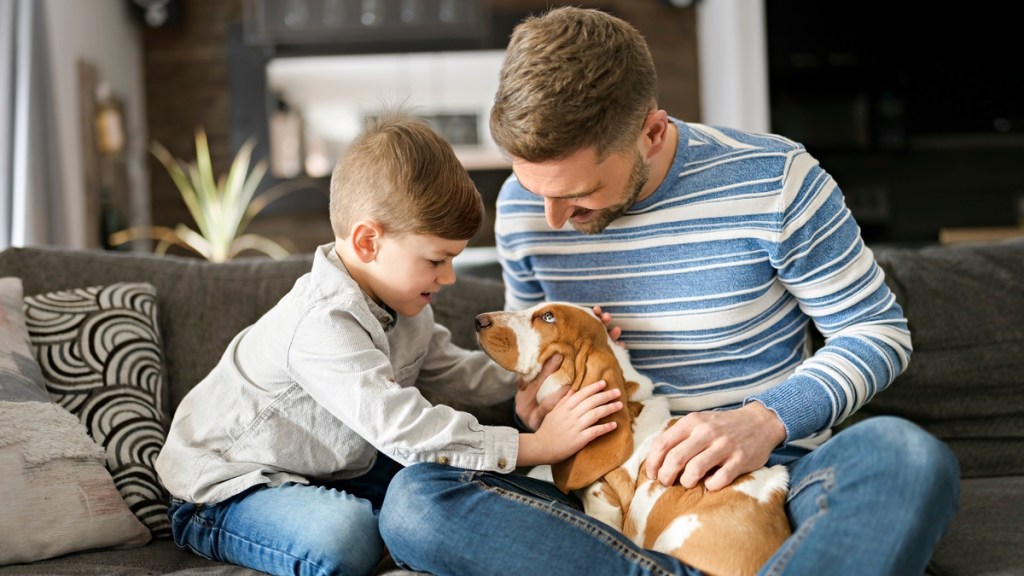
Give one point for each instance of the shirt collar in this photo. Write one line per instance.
(383, 313)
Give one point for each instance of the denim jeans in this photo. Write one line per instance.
(875, 499)
(293, 528)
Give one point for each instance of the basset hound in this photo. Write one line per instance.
(732, 531)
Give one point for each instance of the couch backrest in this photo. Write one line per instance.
(965, 382)
(201, 305)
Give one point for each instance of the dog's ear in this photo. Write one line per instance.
(606, 452)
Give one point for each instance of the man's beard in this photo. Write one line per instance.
(637, 180)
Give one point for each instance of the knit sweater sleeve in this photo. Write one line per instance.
(823, 262)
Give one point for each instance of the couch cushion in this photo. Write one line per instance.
(985, 536)
(158, 557)
(965, 382)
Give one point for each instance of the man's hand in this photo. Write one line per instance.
(529, 411)
(613, 331)
(724, 443)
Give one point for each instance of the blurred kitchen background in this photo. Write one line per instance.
(917, 112)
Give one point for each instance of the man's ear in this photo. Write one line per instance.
(365, 240)
(654, 134)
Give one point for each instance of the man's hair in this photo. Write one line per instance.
(402, 174)
(573, 78)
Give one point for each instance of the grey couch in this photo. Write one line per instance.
(965, 382)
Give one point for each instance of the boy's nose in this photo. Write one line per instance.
(447, 275)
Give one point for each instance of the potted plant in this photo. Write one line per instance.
(221, 207)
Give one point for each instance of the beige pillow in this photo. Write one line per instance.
(57, 495)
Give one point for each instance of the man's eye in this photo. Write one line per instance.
(548, 317)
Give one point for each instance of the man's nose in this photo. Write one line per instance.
(557, 212)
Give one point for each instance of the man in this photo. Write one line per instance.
(713, 249)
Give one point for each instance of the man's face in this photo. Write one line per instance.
(578, 189)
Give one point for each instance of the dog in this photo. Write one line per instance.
(732, 531)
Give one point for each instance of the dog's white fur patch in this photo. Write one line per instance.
(644, 498)
(541, 472)
(553, 384)
(645, 386)
(528, 343)
(595, 506)
(676, 533)
(646, 427)
(764, 483)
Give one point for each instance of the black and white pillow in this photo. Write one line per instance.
(100, 353)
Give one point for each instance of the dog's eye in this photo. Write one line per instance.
(548, 317)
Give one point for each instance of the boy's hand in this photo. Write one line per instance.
(571, 425)
(529, 411)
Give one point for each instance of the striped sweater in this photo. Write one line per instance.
(714, 277)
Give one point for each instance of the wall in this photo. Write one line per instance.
(186, 87)
(103, 32)
(187, 82)
(733, 64)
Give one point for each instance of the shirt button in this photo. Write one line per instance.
(502, 463)
(442, 460)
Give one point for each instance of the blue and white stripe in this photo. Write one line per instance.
(714, 277)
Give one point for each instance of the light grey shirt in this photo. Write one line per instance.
(326, 378)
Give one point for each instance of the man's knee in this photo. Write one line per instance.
(911, 445)
(409, 506)
(917, 458)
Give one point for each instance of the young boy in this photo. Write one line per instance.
(279, 459)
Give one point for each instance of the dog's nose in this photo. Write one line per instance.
(482, 321)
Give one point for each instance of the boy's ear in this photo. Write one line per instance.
(365, 239)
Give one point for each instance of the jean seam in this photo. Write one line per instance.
(591, 528)
(826, 477)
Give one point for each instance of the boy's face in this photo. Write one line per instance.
(410, 269)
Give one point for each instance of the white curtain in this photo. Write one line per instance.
(31, 210)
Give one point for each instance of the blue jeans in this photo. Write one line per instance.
(875, 499)
(293, 528)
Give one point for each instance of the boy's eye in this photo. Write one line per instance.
(438, 263)
(548, 317)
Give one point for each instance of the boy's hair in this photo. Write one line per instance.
(572, 78)
(402, 174)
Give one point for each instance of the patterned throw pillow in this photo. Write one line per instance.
(100, 353)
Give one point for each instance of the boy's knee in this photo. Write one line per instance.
(351, 547)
